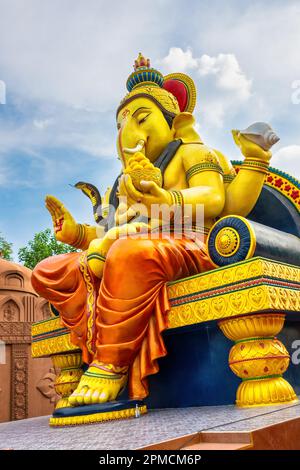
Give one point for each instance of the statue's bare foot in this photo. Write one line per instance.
(99, 384)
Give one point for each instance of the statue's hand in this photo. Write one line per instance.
(124, 213)
(152, 193)
(64, 225)
(121, 232)
(250, 149)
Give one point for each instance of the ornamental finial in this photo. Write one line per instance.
(141, 61)
(143, 74)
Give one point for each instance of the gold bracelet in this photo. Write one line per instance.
(177, 198)
(228, 178)
(256, 165)
(81, 237)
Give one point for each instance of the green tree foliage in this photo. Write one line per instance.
(43, 245)
(5, 249)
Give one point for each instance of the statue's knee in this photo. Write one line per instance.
(131, 251)
(37, 277)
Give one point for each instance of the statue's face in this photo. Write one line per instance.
(142, 127)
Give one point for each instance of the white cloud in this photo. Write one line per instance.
(213, 114)
(37, 151)
(65, 64)
(74, 58)
(224, 68)
(72, 52)
(179, 60)
(265, 37)
(228, 73)
(288, 159)
(224, 84)
(2, 92)
(42, 123)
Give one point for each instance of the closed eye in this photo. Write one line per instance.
(140, 121)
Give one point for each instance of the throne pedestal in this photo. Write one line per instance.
(249, 301)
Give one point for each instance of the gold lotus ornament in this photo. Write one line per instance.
(141, 169)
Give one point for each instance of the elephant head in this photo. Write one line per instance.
(157, 110)
(145, 126)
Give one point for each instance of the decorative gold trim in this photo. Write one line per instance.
(70, 367)
(63, 403)
(190, 86)
(259, 359)
(238, 272)
(90, 302)
(45, 326)
(262, 326)
(252, 246)
(265, 392)
(282, 182)
(162, 97)
(203, 166)
(97, 417)
(177, 198)
(227, 297)
(256, 165)
(227, 241)
(80, 236)
(240, 302)
(55, 345)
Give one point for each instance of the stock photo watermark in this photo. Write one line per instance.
(295, 359)
(2, 92)
(295, 97)
(158, 221)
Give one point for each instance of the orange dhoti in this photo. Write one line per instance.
(120, 319)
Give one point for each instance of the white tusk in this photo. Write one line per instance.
(136, 149)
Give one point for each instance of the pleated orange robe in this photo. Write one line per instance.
(120, 319)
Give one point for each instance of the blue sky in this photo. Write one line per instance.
(65, 64)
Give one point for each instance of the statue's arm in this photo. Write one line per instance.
(85, 234)
(242, 193)
(204, 178)
(244, 190)
(67, 230)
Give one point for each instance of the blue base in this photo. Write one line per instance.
(97, 408)
(196, 372)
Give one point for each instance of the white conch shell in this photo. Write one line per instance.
(261, 134)
(139, 147)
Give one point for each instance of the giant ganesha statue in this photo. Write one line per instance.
(111, 294)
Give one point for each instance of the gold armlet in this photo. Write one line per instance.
(255, 165)
(200, 167)
(96, 256)
(228, 178)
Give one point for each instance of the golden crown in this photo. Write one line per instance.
(174, 93)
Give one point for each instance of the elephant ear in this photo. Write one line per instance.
(183, 125)
(183, 88)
